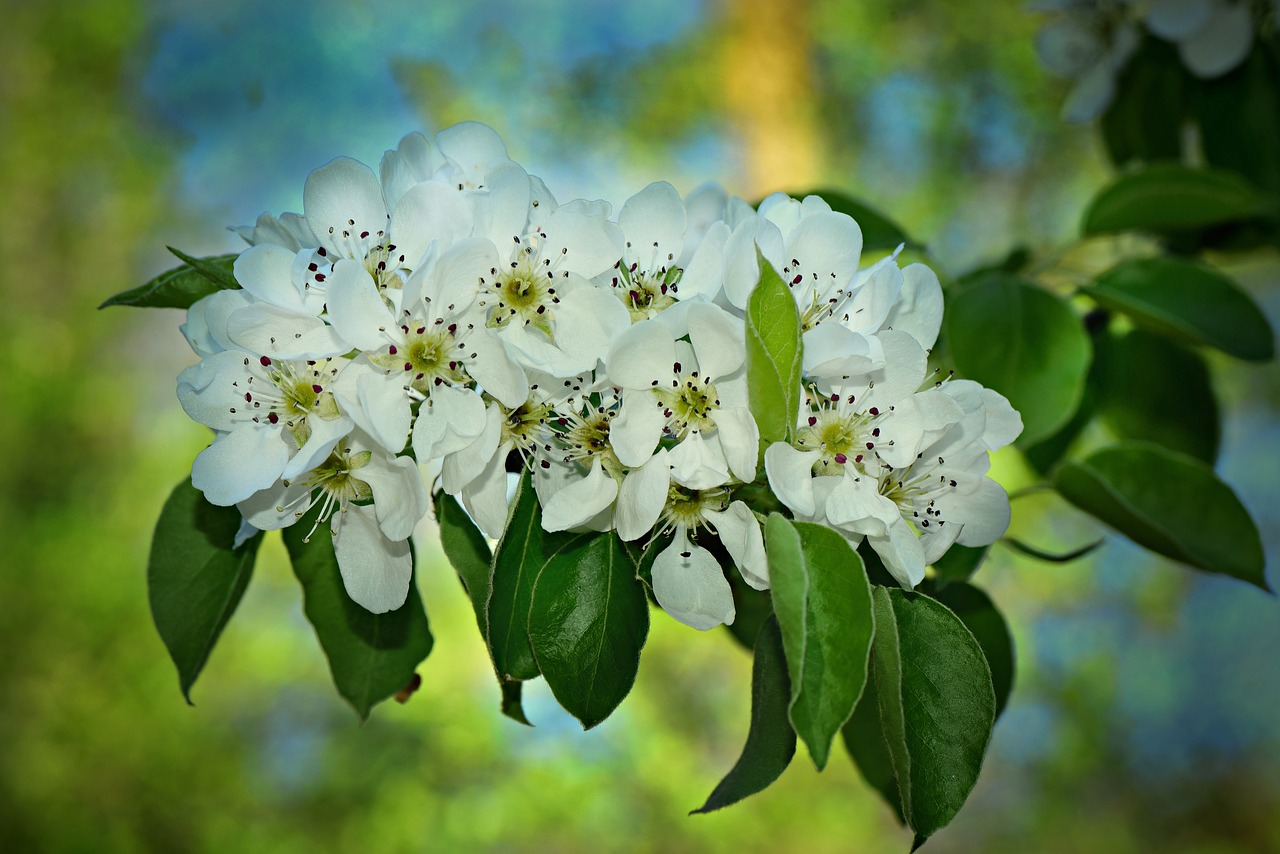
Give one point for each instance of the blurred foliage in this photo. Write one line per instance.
(1144, 713)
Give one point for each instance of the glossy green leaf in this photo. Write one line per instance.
(516, 562)
(823, 605)
(1239, 118)
(195, 578)
(980, 616)
(1170, 503)
(183, 285)
(1168, 197)
(371, 656)
(468, 552)
(879, 232)
(1149, 387)
(773, 356)
(1187, 301)
(959, 563)
(770, 740)
(865, 743)
(1025, 343)
(588, 621)
(937, 705)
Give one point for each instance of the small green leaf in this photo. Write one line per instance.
(1167, 197)
(371, 656)
(181, 286)
(1170, 503)
(1025, 343)
(937, 705)
(516, 563)
(1187, 301)
(194, 578)
(770, 740)
(980, 616)
(959, 563)
(773, 356)
(587, 624)
(1152, 388)
(879, 232)
(823, 605)
(468, 552)
(1239, 118)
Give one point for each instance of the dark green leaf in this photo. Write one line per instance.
(1151, 388)
(587, 623)
(979, 615)
(1025, 343)
(823, 605)
(937, 705)
(468, 551)
(516, 562)
(865, 742)
(194, 578)
(1240, 118)
(1170, 503)
(371, 656)
(181, 286)
(773, 356)
(878, 231)
(959, 563)
(1144, 121)
(770, 740)
(1188, 301)
(512, 704)
(1168, 197)
(751, 607)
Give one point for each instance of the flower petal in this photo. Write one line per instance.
(690, 586)
(642, 496)
(240, 463)
(343, 196)
(376, 571)
(579, 502)
(790, 473)
(739, 532)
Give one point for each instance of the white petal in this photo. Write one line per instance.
(240, 463)
(635, 431)
(578, 502)
(833, 351)
(325, 433)
(739, 441)
(399, 496)
(918, 311)
(689, 585)
(790, 473)
(471, 147)
(278, 506)
(504, 210)
(387, 409)
(282, 334)
(464, 466)
(485, 497)
(653, 221)
(642, 357)
(338, 194)
(718, 339)
(739, 532)
(856, 505)
(449, 421)
(211, 388)
(493, 368)
(705, 274)
(196, 329)
(376, 571)
(580, 243)
(901, 553)
(828, 246)
(428, 211)
(356, 308)
(642, 496)
(697, 463)
(1222, 44)
(266, 271)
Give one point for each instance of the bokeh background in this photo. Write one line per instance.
(1146, 715)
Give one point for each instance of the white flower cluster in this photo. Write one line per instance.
(1091, 41)
(447, 321)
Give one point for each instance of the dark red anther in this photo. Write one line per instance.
(858, 458)
(319, 277)
(798, 279)
(841, 459)
(265, 361)
(408, 366)
(317, 389)
(313, 266)
(273, 418)
(392, 349)
(812, 420)
(453, 366)
(363, 235)
(874, 411)
(835, 398)
(422, 330)
(870, 445)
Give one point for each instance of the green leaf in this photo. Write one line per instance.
(516, 562)
(587, 624)
(879, 232)
(865, 743)
(770, 740)
(1167, 197)
(937, 705)
(751, 608)
(1170, 503)
(1239, 118)
(1025, 343)
(468, 552)
(371, 656)
(1145, 119)
(512, 704)
(959, 563)
(1151, 388)
(181, 286)
(980, 616)
(823, 605)
(194, 578)
(773, 356)
(1187, 301)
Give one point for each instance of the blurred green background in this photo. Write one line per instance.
(1147, 710)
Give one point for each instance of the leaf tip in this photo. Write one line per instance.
(917, 842)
